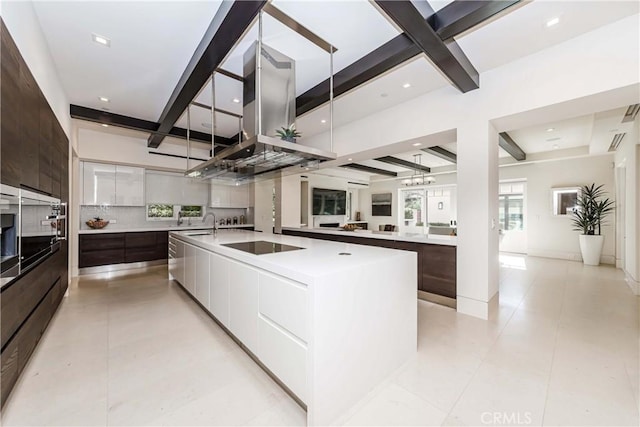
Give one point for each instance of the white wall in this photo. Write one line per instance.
(130, 150)
(23, 25)
(263, 206)
(628, 157)
(553, 236)
(392, 186)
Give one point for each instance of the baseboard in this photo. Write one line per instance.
(120, 267)
(633, 284)
(570, 256)
(476, 308)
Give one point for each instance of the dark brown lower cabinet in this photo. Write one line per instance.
(118, 248)
(28, 304)
(436, 263)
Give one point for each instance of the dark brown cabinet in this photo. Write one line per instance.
(34, 148)
(117, 248)
(436, 263)
(11, 108)
(33, 155)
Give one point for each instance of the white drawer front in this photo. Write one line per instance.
(285, 303)
(284, 356)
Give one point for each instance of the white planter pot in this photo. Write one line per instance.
(591, 248)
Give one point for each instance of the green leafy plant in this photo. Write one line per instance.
(288, 134)
(408, 214)
(592, 210)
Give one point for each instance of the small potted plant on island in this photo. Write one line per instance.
(288, 134)
(588, 217)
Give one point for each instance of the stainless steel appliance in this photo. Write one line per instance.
(41, 227)
(9, 233)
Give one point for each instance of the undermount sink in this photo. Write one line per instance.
(199, 233)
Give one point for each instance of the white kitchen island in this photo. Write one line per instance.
(329, 321)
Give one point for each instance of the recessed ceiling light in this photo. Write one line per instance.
(417, 144)
(556, 146)
(323, 121)
(550, 129)
(553, 21)
(406, 85)
(105, 125)
(236, 100)
(103, 99)
(350, 159)
(101, 40)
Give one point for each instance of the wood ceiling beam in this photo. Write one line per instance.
(399, 50)
(446, 56)
(441, 153)
(226, 28)
(509, 145)
(369, 169)
(460, 16)
(118, 120)
(389, 55)
(403, 163)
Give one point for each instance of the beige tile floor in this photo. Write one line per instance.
(135, 350)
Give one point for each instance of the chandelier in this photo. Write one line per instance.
(418, 178)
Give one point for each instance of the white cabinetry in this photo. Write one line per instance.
(243, 304)
(219, 288)
(202, 277)
(175, 189)
(282, 330)
(228, 196)
(190, 269)
(106, 184)
(179, 262)
(98, 184)
(129, 186)
(284, 355)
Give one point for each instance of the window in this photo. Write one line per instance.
(159, 211)
(511, 212)
(167, 212)
(191, 211)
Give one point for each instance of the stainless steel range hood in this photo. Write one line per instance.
(259, 156)
(268, 105)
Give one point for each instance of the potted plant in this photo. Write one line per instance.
(588, 217)
(288, 134)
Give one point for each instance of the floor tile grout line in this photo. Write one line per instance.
(555, 346)
(482, 359)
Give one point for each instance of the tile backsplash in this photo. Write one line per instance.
(134, 217)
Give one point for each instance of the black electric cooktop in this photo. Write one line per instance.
(261, 247)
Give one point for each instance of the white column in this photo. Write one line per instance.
(477, 257)
(263, 206)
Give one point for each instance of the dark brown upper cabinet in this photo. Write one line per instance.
(11, 110)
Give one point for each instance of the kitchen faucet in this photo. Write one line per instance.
(204, 219)
(180, 218)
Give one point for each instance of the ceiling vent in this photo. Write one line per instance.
(615, 142)
(631, 113)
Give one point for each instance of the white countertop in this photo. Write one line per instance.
(164, 228)
(433, 239)
(319, 258)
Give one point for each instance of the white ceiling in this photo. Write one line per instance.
(151, 45)
(152, 42)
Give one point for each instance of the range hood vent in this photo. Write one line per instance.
(259, 157)
(268, 105)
